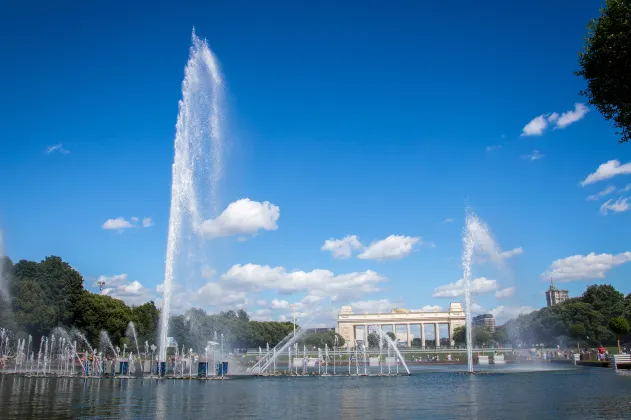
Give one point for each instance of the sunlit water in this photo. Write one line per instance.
(567, 394)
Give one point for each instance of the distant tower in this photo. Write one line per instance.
(555, 296)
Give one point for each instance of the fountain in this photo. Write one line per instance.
(198, 144)
(476, 237)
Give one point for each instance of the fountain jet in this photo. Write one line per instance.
(197, 160)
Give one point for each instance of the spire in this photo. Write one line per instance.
(552, 285)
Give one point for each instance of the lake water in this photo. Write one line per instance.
(584, 393)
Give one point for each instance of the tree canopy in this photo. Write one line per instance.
(605, 61)
(50, 293)
(583, 319)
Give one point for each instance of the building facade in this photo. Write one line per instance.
(555, 296)
(486, 320)
(356, 327)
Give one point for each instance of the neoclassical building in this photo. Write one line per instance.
(400, 321)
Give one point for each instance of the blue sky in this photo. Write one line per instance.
(369, 121)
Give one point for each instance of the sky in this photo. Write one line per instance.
(355, 135)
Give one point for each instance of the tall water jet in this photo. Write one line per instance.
(197, 159)
(475, 238)
(4, 287)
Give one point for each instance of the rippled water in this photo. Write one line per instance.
(573, 394)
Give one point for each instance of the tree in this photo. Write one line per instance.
(619, 326)
(500, 335)
(417, 342)
(605, 62)
(481, 335)
(605, 299)
(373, 340)
(392, 336)
(460, 335)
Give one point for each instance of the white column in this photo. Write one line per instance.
(409, 337)
(436, 336)
(451, 334)
(422, 335)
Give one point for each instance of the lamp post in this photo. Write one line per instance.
(293, 306)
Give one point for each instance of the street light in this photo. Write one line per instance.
(293, 306)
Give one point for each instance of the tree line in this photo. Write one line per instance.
(50, 293)
(601, 315)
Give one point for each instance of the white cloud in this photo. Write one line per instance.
(279, 304)
(503, 293)
(342, 248)
(607, 170)
(321, 283)
(119, 287)
(570, 117)
(431, 308)
(539, 124)
(618, 206)
(216, 295)
(511, 253)
(493, 148)
(601, 194)
(121, 223)
(242, 217)
(501, 256)
(535, 127)
(117, 224)
(208, 272)
(625, 189)
(448, 220)
(393, 247)
(583, 267)
(503, 313)
(535, 155)
(373, 306)
(57, 148)
(479, 285)
(476, 309)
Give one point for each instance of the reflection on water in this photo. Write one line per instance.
(577, 393)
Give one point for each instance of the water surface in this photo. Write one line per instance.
(586, 393)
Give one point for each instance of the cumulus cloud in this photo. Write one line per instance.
(539, 124)
(208, 272)
(393, 247)
(601, 194)
(342, 248)
(502, 255)
(320, 283)
(120, 287)
(584, 267)
(479, 285)
(280, 304)
(217, 295)
(617, 206)
(570, 117)
(373, 306)
(57, 148)
(120, 223)
(607, 170)
(503, 313)
(534, 155)
(242, 217)
(504, 293)
(535, 127)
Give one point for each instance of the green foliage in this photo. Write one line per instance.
(501, 335)
(416, 342)
(391, 335)
(373, 340)
(482, 336)
(605, 64)
(460, 335)
(584, 319)
(47, 294)
(619, 326)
